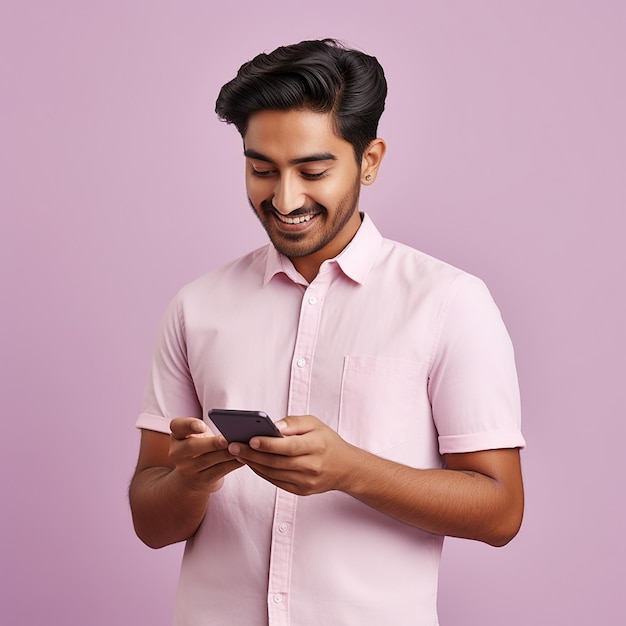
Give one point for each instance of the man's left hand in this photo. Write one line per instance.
(310, 458)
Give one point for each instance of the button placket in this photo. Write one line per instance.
(298, 404)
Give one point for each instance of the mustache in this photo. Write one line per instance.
(314, 208)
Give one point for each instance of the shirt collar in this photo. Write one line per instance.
(355, 260)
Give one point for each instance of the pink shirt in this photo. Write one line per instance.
(401, 354)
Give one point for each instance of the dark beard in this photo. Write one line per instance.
(268, 208)
(343, 213)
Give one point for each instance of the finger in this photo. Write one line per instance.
(287, 481)
(198, 455)
(219, 470)
(266, 458)
(258, 448)
(293, 445)
(194, 447)
(210, 477)
(225, 467)
(182, 427)
(297, 424)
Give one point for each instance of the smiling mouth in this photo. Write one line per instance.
(297, 219)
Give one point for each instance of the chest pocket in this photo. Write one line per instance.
(383, 401)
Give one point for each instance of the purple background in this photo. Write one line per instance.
(506, 135)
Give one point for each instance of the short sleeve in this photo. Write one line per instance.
(473, 384)
(170, 390)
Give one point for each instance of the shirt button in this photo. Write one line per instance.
(301, 362)
(278, 598)
(312, 300)
(282, 527)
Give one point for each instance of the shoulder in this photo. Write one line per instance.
(218, 289)
(422, 272)
(244, 271)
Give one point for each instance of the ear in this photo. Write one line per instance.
(372, 158)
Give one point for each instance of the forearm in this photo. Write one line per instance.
(164, 509)
(479, 496)
(459, 503)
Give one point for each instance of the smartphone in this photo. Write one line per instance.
(241, 426)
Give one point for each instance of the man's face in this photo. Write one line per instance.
(303, 183)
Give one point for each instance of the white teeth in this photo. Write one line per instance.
(294, 220)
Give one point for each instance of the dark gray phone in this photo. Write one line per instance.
(241, 426)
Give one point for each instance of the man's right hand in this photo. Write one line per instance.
(174, 478)
(200, 458)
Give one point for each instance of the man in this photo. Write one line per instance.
(390, 374)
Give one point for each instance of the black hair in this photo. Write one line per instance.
(321, 76)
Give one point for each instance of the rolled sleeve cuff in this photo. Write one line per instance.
(473, 442)
(154, 422)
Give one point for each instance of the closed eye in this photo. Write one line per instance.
(316, 176)
(262, 173)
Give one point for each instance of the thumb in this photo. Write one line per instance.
(182, 427)
(296, 424)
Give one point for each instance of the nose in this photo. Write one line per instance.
(288, 194)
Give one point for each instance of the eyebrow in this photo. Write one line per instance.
(319, 156)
